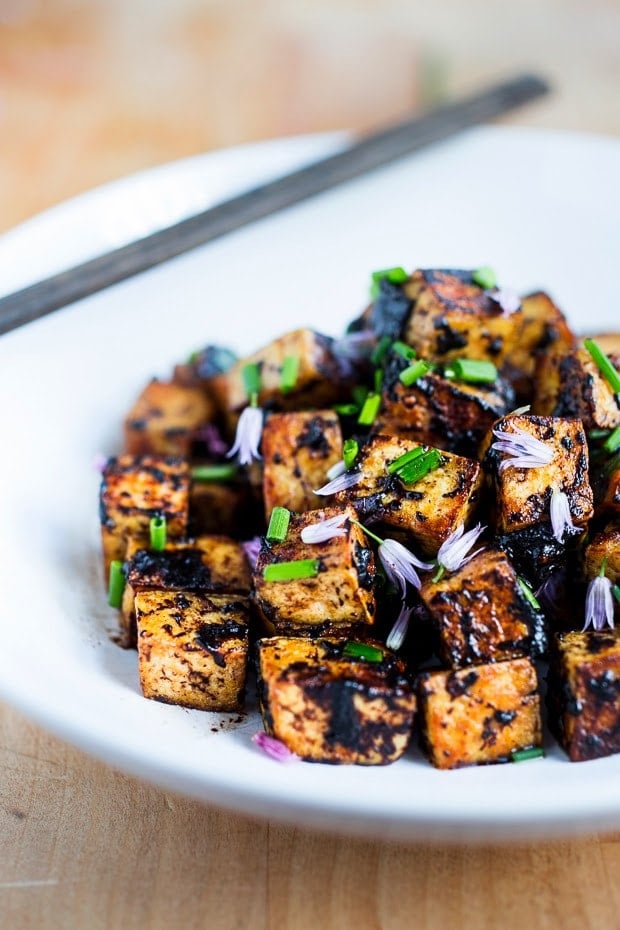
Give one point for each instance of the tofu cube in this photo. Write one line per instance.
(328, 707)
(219, 509)
(427, 511)
(571, 385)
(339, 598)
(166, 418)
(133, 490)
(523, 495)
(452, 316)
(534, 552)
(604, 547)
(298, 450)
(584, 693)
(543, 329)
(479, 715)
(481, 613)
(193, 649)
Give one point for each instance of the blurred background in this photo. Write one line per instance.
(94, 89)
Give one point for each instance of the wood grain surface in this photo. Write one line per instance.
(90, 91)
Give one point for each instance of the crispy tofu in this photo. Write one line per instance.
(327, 707)
(452, 316)
(210, 564)
(166, 418)
(604, 548)
(133, 490)
(479, 715)
(388, 314)
(217, 508)
(193, 649)
(481, 613)
(584, 693)
(534, 552)
(340, 598)
(298, 450)
(427, 511)
(543, 329)
(523, 495)
(571, 385)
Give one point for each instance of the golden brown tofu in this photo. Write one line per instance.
(452, 316)
(481, 715)
(216, 508)
(427, 511)
(571, 385)
(298, 450)
(482, 614)
(339, 598)
(328, 707)
(135, 489)
(166, 418)
(193, 649)
(584, 693)
(212, 564)
(523, 495)
(604, 548)
(543, 329)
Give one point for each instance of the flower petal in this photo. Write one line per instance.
(453, 551)
(398, 632)
(252, 547)
(400, 564)
(507, 298)
(248, 436)
(336, 470)
(212, 438)
(325, 529)
(561, 518)
(274, 748)
(355, 346)
(526, 451)
(599, 603)
(341, 483)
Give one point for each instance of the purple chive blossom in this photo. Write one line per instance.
(525, 451)
(341, 483)
(399, 631)
(599, 603)
(400, 565)
(336, 470)
(453, 552)
(561, 521)
(325, 529)
(506, 298)
(274, 748)
(251, 547)
(100, 461)
(247, 439)
(355, 346)
(212, 438)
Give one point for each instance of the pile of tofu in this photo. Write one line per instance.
(203, 611)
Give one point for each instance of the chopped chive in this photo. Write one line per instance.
(346, 410)
(157, 529)
(528, 593)
(289, 374)
(485, 277)
(290, 571)
(404, 459)
(441, 570)
(401, 348)
(378, 380)
(369, 411)
(362, 651)
(524, 755)
(598, 434)
(221, 472)
(360, 393)
(604, 365)
(420, 466)
(615, 590)
(471, 371)
(278, 525)
(380, 350)
(612, 443)
(410, 375)
(116, 584)
(395, 275)
(350, 450)
(251, 378)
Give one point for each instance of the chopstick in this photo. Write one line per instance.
(375, 151)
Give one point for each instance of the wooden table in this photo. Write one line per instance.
(89, 92)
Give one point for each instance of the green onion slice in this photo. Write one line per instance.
(396, 275)
(251, 378)
(116, 584)
(289, 374)
(598, 434)
(529, 594)
(220, 472)
(404, 459)
(524, 755)
(355, 650)
(612, 443)
(604, 365)
(278, 525)
(380, 350)
(346, 410)
(290, 571)
(411, 374)
(378, 380)
(485, 277)
(157, 529)
(401, 348)
(369, 411)
(350, 450)
(421, 466)
(615, 590)
(471, 371)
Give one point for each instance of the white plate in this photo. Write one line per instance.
(542, 208)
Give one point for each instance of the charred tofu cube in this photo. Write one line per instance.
(452, 316)
(210, 564)
(534, 552)
(523, 495)
(482, 614)
(298, 451)
(219, 509)
(338, 595)
(193, 649)
(328, 706)
(604, 548)
(133, 490)
(317, 376)
(430, 509)
(543, 329)
(479, 715)
(584, 693)
(571, 385)
(166, 418)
